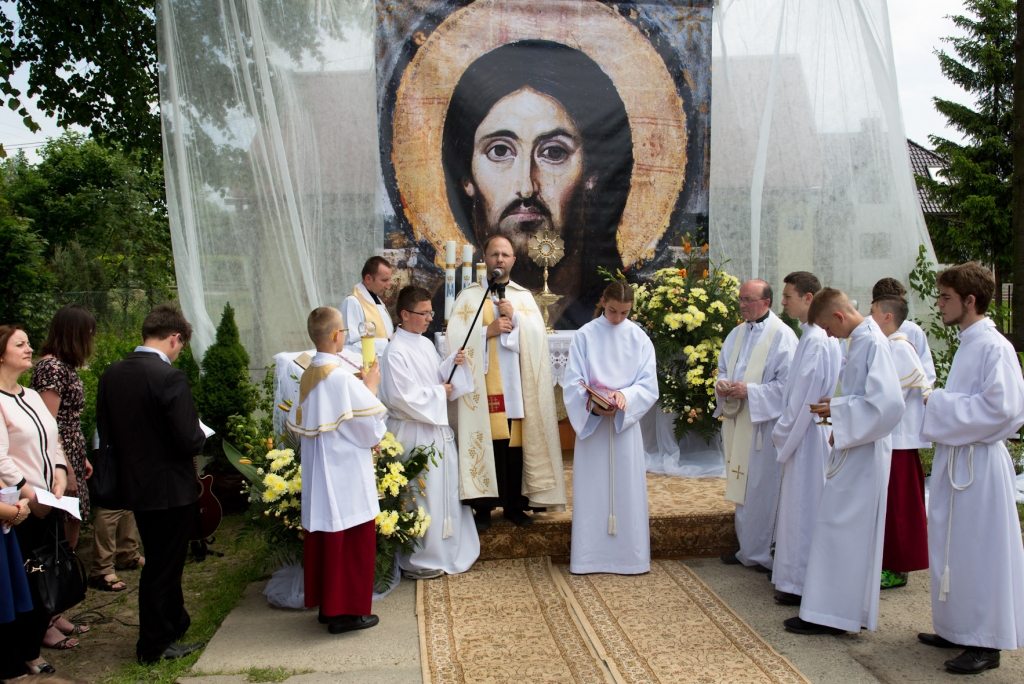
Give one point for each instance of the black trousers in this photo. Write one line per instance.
(162, 615)
(508, 465)
(28, 630)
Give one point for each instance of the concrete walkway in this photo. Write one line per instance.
(256, 635)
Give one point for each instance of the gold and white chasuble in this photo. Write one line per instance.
(543, 477)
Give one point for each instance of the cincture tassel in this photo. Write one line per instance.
(446, 530)
(611, 477)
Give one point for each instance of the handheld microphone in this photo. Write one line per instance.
(495, 274)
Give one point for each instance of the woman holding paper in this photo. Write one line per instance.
(614, 357)
(31, 459)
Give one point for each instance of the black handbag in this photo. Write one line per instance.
(56, 576)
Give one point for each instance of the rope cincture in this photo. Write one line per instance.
(954, 452)
(612, 530)
(835, 466)
(449, 438)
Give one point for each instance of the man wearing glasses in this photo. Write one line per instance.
(365, 305)
(752, 370)
(145, 415)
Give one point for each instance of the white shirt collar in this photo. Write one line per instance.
(150, 350)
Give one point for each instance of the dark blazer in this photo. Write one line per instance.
(146, 417)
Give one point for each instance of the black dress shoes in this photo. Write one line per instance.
(518, 518)
(173, 652)
(798, 626)
(351, 623)
(482, 520)
(730, 559)
(974, 661)
(784, 598)
(937, 641)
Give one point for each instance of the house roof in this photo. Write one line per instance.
(924, 162)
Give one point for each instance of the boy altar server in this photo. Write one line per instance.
(752, 369)
(890, 287)
(841, 586)
(906, 524)
(801, 441)
(610, 531)
(977, 562)
(414, 388)
(339, 421)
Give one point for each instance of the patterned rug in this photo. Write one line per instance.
(667, 626)
(523, 620)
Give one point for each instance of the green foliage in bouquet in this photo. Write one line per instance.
(687, 311)
(399, 525)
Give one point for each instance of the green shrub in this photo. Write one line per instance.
(224, 386)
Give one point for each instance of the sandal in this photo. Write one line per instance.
(65, 644)
(133, 564)
(42, 668)
(75, 629)
(103, 584)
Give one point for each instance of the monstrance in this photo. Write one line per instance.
(546, 249)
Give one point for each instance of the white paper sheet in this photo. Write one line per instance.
(65, 503)
(207, 430)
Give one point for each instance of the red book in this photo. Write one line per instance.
(596, 397)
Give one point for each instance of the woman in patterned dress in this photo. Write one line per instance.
(68, 346)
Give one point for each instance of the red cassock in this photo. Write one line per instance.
(906, 523)
(338, 570)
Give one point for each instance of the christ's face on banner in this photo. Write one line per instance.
(527, 168)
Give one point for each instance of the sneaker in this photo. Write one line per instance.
(894, 580)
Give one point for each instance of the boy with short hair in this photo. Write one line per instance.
(339, 421)
(906, 525)
(841, 586)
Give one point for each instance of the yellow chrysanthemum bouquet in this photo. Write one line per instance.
(401, 523)
(687, 311)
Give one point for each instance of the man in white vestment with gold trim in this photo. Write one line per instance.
(510, 454)
(365, 305)
(752, 370)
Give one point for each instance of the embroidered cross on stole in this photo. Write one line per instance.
(495, 390)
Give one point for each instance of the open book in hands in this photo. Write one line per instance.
(597, 398)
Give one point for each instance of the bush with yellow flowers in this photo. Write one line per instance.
(687, 311)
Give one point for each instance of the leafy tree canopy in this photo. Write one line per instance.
(979, 189)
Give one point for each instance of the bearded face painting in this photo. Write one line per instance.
(581, 119)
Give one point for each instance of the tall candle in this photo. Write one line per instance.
(481, 273)
(467, 266)
(449, 279)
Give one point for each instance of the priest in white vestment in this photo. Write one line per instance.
(890, 287)
(510, 454)
(365, 305)
(974, 534)
(802, 441)
(415, 389)
(612, 355)
(339, 420)
(841, 585)
(752, 370)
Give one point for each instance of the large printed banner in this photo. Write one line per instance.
(585, 118)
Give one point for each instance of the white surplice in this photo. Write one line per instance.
(918, 338)
(845, 564)
(981, 405)
(352, 312)
(339, 421)
(803, 449)
(915, 385)
(610, 357)
(411, 377)
(755, 517)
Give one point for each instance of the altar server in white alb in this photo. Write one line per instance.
(339, 421)
(841, 587)
(415, 389)
(365, 304)
(802, 442)
(612, 355)
(752, 370)
(977, 562)
(890, 287)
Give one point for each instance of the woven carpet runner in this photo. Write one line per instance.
(526, 621)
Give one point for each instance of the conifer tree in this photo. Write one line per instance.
(224, 386)
(979, 188)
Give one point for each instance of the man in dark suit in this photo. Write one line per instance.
(146, 417)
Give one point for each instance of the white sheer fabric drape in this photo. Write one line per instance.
(809, 161)
(270, 156)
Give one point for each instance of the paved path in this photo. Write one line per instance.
(255, 635)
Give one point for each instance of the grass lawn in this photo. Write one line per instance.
(212, 588)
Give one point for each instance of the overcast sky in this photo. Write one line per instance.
(917, 26)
